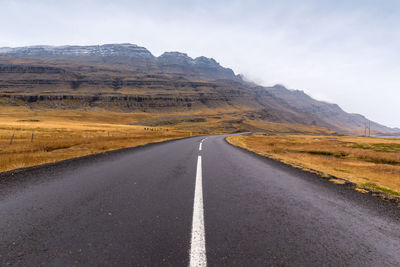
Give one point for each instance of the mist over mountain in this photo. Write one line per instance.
(127, 77)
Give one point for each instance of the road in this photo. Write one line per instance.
(172, 204)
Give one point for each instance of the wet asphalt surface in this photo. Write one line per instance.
(134, 208)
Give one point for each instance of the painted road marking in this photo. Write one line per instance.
(200, 146)
(198, 243)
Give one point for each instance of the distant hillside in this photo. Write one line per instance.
(127, 56)
(127, 77)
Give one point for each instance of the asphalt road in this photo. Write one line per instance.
(137, 207)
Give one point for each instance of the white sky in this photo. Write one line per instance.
(342, 51)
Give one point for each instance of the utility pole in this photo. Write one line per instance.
(369, 128)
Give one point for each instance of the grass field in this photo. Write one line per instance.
(371, 163)
(32, 137)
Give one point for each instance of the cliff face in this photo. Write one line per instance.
(125, 56)
(203, 68)
(127, 77)
(127, 51)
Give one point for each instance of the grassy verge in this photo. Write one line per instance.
(373, 164)
(33, 137)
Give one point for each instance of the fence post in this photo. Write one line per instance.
(32, 137)
(12, 138)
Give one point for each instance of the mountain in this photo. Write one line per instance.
(127, 77)
(130, 56)
(201, 67)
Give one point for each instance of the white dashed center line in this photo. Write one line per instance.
(198, 242)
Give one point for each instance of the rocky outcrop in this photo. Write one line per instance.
(128, 57)
(29, 69)
(201, 67)
(126, 103)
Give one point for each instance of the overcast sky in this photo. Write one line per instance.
(346, 52)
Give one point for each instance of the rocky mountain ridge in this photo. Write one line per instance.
(74, 50)
(128, 78)
(133, 56)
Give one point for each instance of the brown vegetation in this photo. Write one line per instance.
(30, 138)
(50, 135)
(372, 163)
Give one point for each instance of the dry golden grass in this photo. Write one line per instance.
(286, 128)
(369, 162)
(59, 135)
(64, 134)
